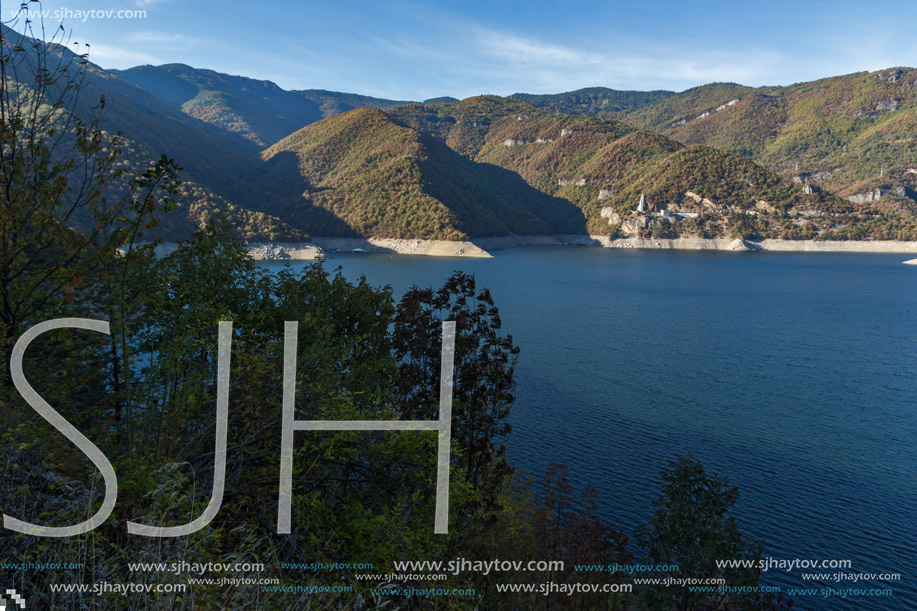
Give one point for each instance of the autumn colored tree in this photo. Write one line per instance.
(66, 205)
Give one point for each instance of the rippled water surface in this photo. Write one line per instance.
(794, 374)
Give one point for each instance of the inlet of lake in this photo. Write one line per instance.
(793, 374)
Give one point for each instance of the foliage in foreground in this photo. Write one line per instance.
(358, 497)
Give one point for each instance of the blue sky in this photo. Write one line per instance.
(416, 50)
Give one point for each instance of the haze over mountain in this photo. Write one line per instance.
(259, 111)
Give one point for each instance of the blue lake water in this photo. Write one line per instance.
(793, 374)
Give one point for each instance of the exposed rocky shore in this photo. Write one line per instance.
(432, 248)
(480, 247)
(887, 246)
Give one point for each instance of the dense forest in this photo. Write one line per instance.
(850, 135)
(490, 166)
(808, 145)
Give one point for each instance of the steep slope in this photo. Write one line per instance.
(215, 166)
(854, 135)
(211, 159)
(490, 166)
(605, 167)
(381, 178)
(462, 125)
(687, 105)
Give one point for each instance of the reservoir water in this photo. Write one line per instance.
(793, 374)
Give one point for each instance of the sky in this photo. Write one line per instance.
(409, 50)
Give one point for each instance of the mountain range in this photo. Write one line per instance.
(834, 158)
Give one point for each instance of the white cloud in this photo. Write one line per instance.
(517, 50)
(168, 38)
(119, 57)
(626, 63)
(427, 52)
(461, 57)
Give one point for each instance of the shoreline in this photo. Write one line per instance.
(481, 247)
(728, 244)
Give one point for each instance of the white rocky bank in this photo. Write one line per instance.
(327, 247)
(888, 246)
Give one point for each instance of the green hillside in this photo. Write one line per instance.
(596, 101)
(850, 134)
(463, 125)
(598, 165)
(686, 105)
(384, 179)
(490, 166)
